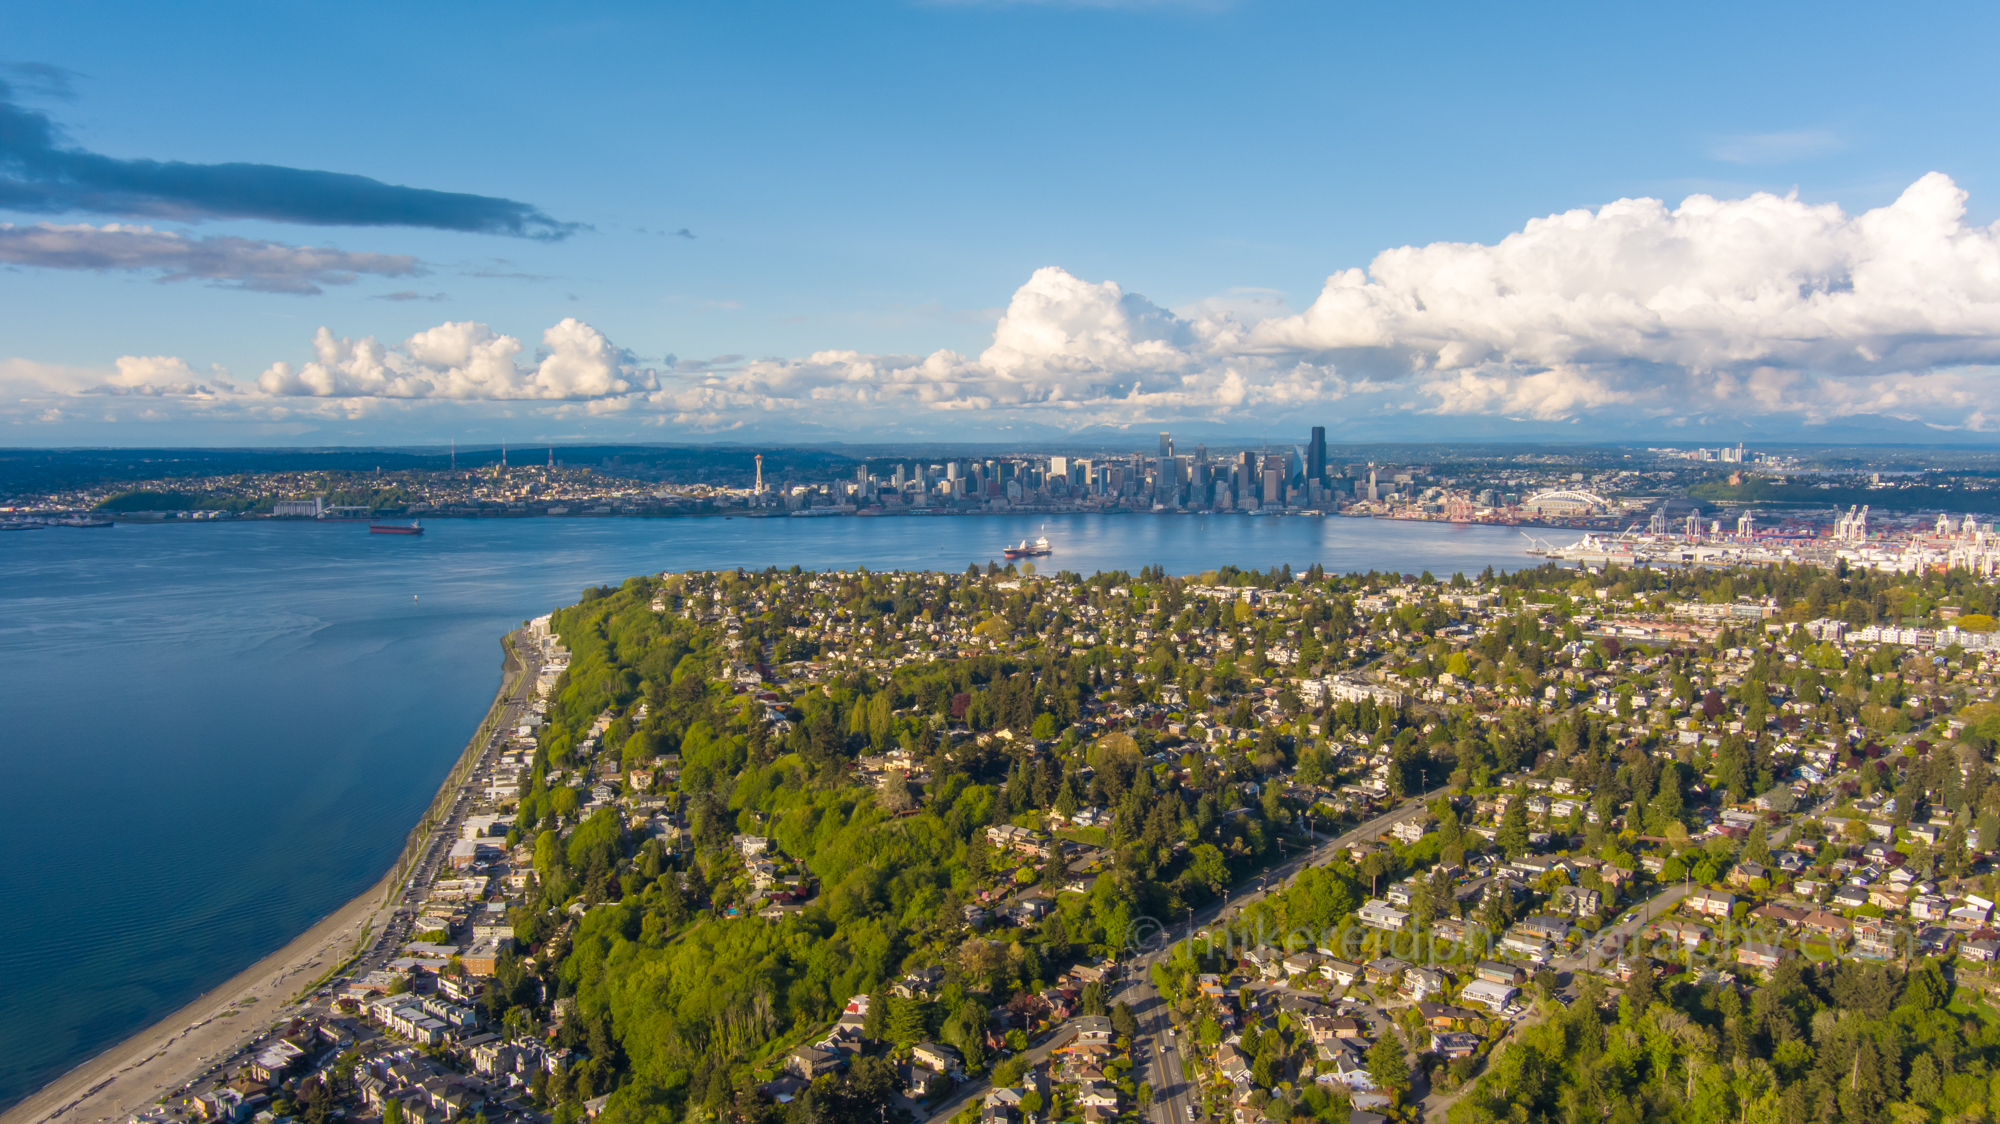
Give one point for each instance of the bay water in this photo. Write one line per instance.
(216, 734)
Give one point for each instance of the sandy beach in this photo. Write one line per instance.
(147, 1066)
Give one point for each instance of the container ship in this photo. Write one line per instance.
(413, 528)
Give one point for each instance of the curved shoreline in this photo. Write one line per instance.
(138, 1071)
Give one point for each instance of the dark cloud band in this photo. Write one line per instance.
(39, 175)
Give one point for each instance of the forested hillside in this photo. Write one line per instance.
(678, 993)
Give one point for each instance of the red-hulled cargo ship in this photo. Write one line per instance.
(414, 528)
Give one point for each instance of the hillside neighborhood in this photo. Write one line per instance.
(1239, 846)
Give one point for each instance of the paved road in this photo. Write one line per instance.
(1156, 1057)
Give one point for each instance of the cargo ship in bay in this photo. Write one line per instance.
(1037, 549)
(413, 527)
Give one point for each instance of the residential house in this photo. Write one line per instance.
(1094, 1030)
(1342, 1062)
(1826, 924)
(1378, 914)
(1556, 929)
(1763, 957)
(1269, 962)
(1683, 933)
(1711, 903)
(1930, 907)
(1984, 951)
(1327, 1028)
(1786, 915)
(1441, 1016)
(1748, 872)
(1420, 984)
(1233, 1064)
(1488, 994)
(1340, 971)
(1098, 1094)
(1876, 940)
(1522, 943)
(919, 1081)
(1578, 900)
(921, 984)
(1455, 1044)
(1386, 972)
(1890, 900)
(1025, 911)
(811, 1061)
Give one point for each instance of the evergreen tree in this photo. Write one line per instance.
(1513, 834)
(1666, 808)
(877, 1018)
(1123, 1021)
(1387, 1066)
(909, 1021)
(1757, 848)
(1732, 767)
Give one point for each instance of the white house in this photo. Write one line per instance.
(1488, 994)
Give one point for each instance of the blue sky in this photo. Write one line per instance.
(865, 186)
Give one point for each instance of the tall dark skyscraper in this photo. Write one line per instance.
(1316, 455)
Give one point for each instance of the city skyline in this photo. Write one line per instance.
(698, 227)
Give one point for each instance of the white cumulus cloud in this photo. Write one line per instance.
(161, 376)
(462, 360)
(1713, 284)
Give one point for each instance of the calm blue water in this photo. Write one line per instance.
(217, 734)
